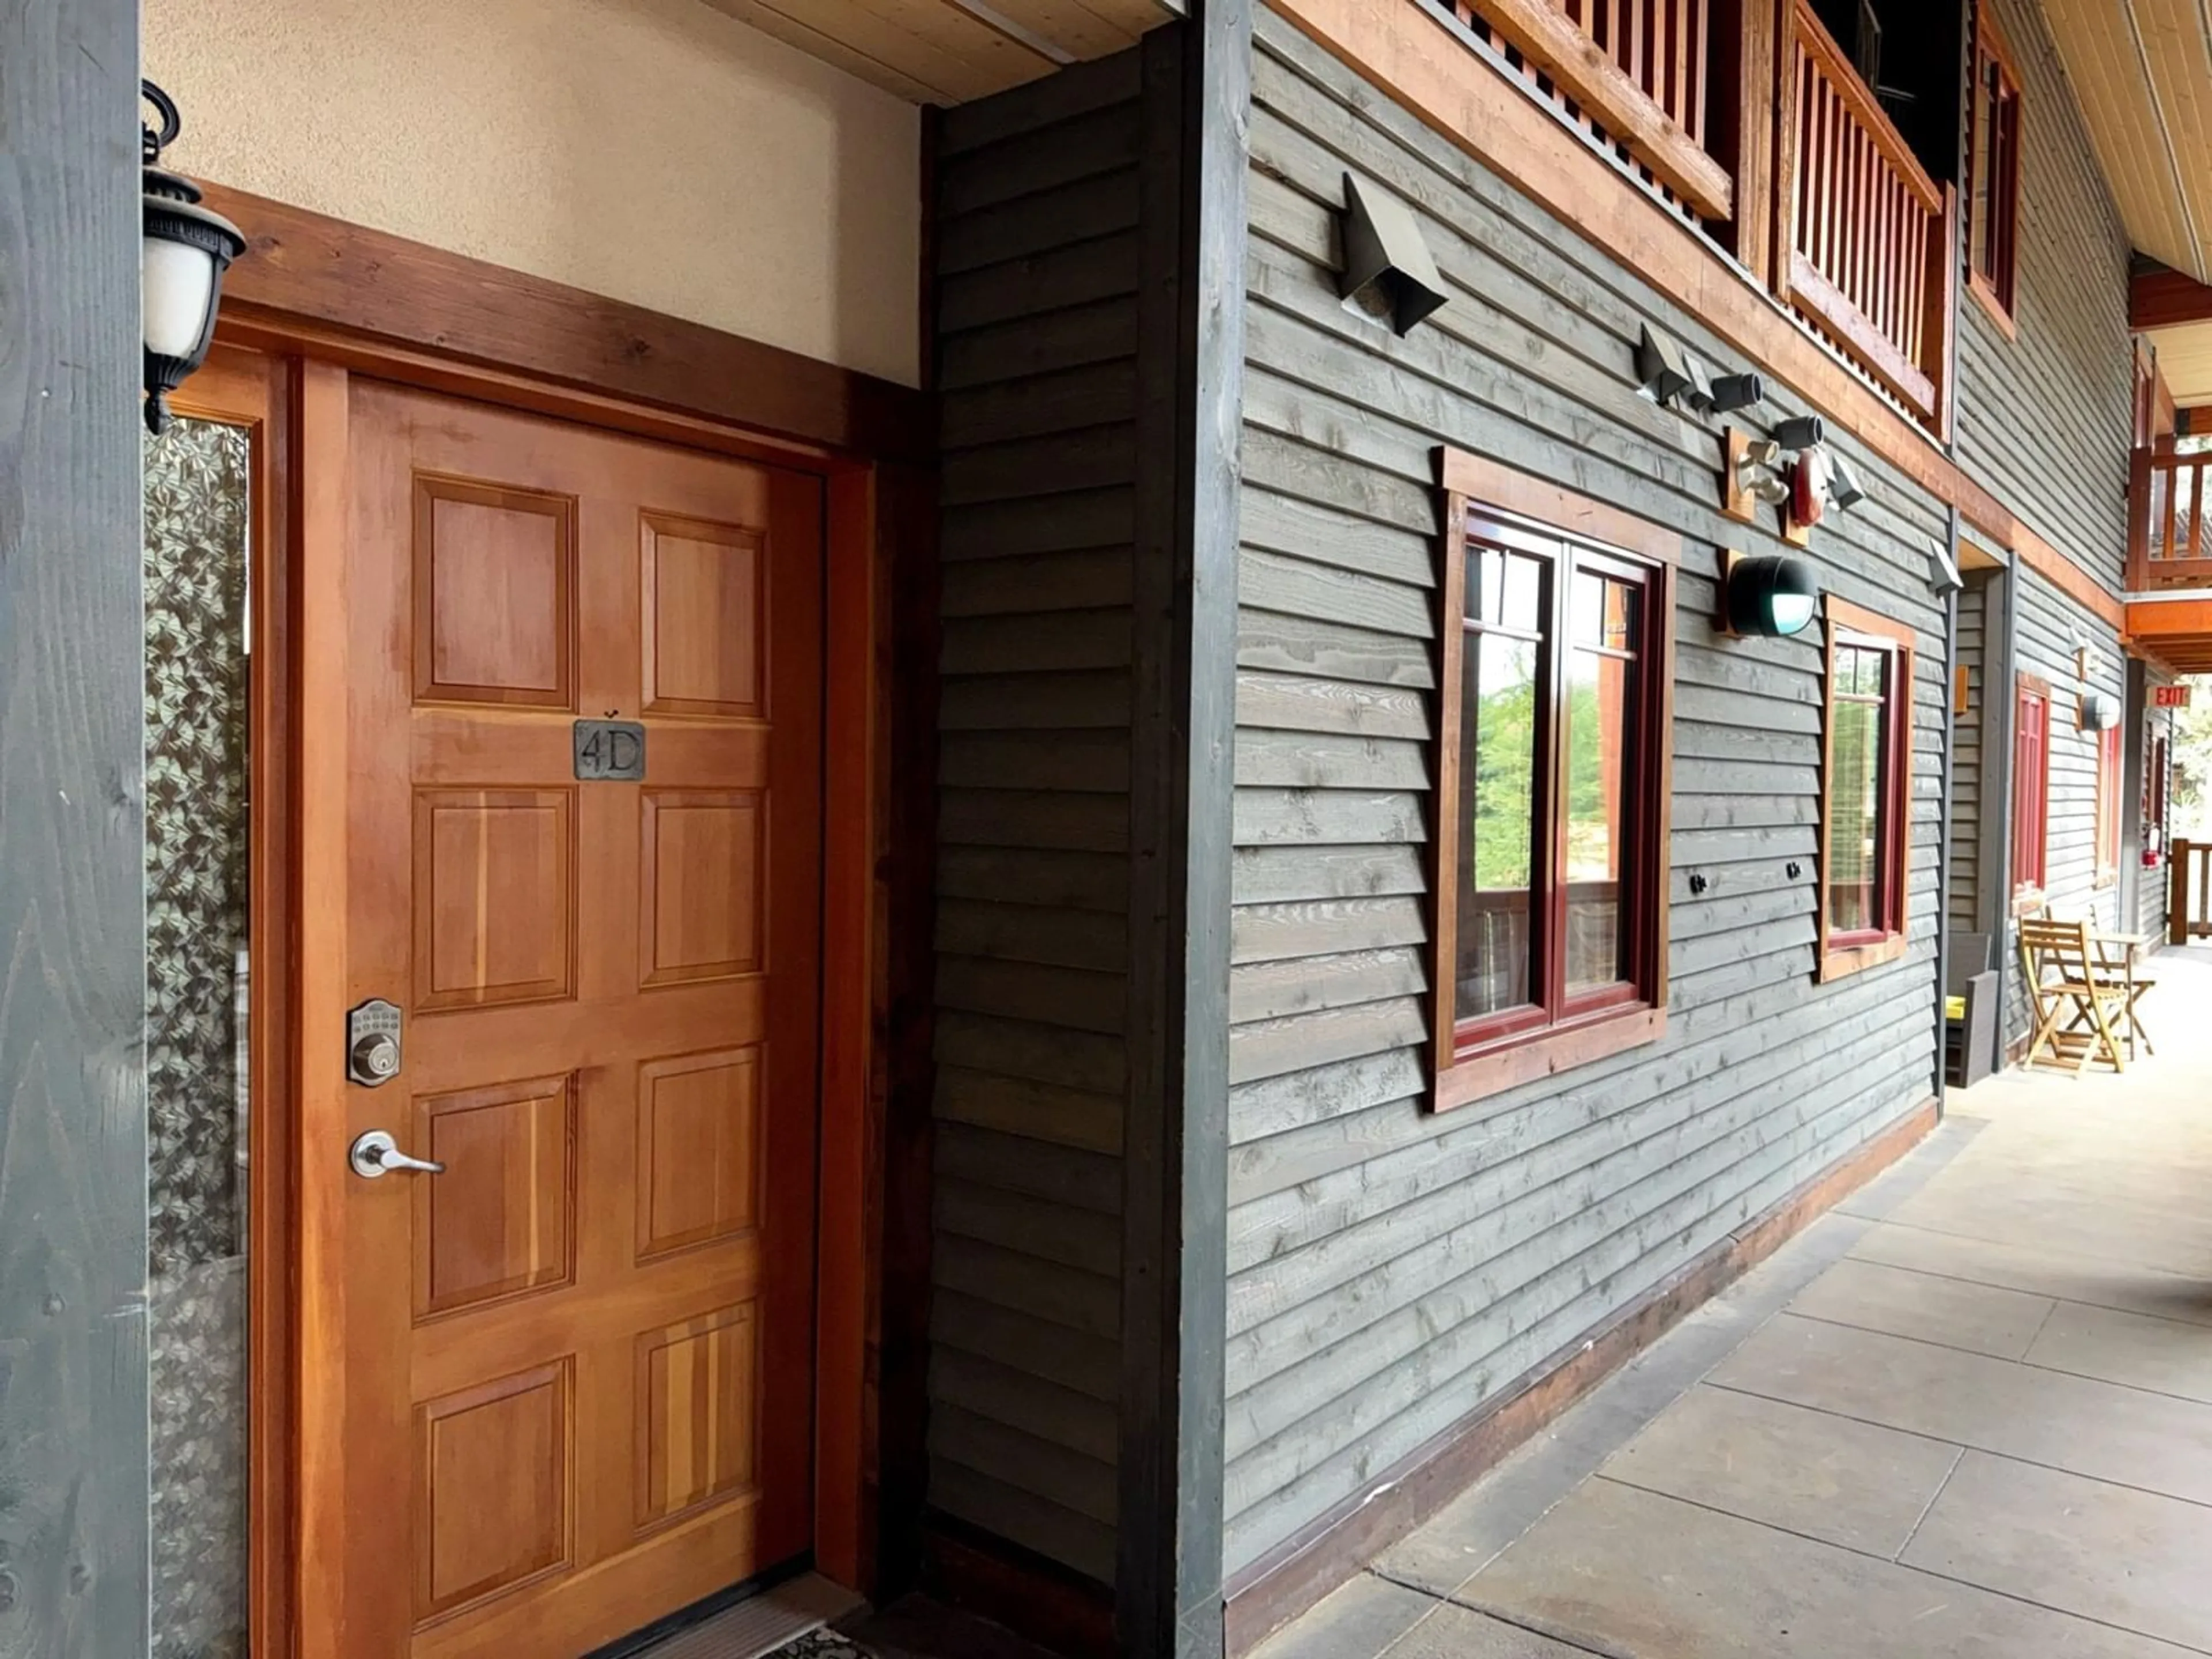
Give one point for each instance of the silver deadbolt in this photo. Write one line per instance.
(376, 1153)
(372, 1054)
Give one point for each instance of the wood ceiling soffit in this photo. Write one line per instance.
(2108, 50)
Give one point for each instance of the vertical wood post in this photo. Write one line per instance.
(73, 1436)
(2176, 918)
(1745, 75)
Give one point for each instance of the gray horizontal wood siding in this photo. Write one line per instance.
(2049, 627)
(2045, 420)
(1037, 274)
(1392, 1270)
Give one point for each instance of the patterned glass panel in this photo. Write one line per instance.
(197, 505)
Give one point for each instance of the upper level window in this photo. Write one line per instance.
(1866, 790)
(1552, 876)
(1993, 172)
(2108, 807)
(2031, 786)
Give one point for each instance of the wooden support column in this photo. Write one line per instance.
(1747, 33)
(73, 1437)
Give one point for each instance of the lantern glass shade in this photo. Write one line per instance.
(177, 291)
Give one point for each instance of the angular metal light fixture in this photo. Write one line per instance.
(1387, 272)
(186, 248)
(1766, 595)
(1663, 367)
(1844, 489)
(1946, 579)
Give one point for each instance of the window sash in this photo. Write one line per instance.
(1866, 836)
(1552, 896)
(2108, 805)
(1993, 169)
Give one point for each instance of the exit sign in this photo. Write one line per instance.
(2170, 697)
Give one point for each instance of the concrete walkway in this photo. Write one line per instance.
(1969, 1413)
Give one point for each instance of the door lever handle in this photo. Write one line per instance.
(376, 1153)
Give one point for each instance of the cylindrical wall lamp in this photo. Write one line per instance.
(1767, 595)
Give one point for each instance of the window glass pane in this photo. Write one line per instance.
(1599, 737)
(1979, 166)
(1524, 605)
(1485, 583)
(1855, 805)
(1497, 786)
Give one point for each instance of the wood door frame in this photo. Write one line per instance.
(314, 295)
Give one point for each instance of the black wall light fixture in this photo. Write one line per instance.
(186, 248)
(1766, 595)
(1388, 273)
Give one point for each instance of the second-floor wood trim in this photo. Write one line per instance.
(1403, 48)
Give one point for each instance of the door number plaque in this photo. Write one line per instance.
(609, 752)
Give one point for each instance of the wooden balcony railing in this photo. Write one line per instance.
(1865, 243)
(1868, 240)
(2189, 912)
(1636, 70)
(2168, 543)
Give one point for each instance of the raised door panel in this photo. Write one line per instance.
(495, 594)
(698, 1157)
(702, 901)
(494, 897)
(698, 1393)
(501, 1221)
(492, 1494)
(703, 605)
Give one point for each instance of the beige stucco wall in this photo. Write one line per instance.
(652, 150)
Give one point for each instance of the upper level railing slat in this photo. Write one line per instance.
(2167, 545)
(1870, 234)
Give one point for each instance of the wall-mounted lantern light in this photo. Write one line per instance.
(187, 248)
(2100, 711)
(1387, 272)
(1766, 595)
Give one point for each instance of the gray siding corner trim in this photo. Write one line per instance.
(73, 1221)
(1391, 1271)
(1191, 370)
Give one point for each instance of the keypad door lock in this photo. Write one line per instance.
(373, 1052)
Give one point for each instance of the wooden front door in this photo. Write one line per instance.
(564, 1387)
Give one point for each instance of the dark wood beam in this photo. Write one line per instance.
(309, 266)
(2161, 298)
(73, 1435)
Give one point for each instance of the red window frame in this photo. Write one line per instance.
(1993, 151)
(2155, 786)
(1851, 629)
(2108, 807)
(2031, 787)
(1488, 505)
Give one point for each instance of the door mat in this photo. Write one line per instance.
(820, 1644)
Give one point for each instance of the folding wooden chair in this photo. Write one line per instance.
(2116, 966)
(2076, 1005)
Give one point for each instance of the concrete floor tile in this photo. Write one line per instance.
(1455, 1633)
(1958, 1314)
(2164, 1355)
(2093, 1428)
(1828, 1477)
(2122, 1557)
(1355, 1622)
(2040, 1272)
(1627, 1572)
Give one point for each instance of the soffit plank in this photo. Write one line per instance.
(932, 48)
(2180, 63)
(2185, 357)
(1076, 29)
(2108, 47)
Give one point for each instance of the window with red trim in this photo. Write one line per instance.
(2155, 786)
(2108, 807)
(2031, 784)
(1867, 787)
(1993, 172)
(1554, 865)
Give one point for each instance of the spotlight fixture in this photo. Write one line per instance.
(1766, 595)
(1754, 472)
(1662, 366)
(2100, 711)
(1388, 273)
(186, 250)
(1734, 391)
(1801, 432)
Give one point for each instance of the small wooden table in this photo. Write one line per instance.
(2119, 953)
